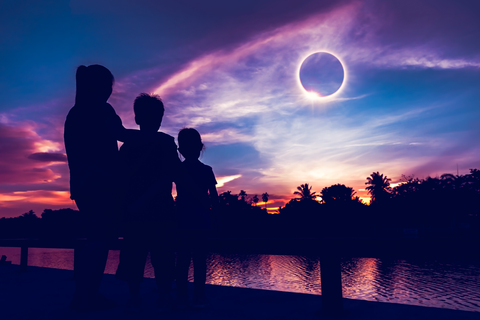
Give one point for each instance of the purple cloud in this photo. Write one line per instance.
(48, 157)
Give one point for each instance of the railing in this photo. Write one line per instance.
(330, 251)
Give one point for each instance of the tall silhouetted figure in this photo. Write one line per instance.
(92, 129)
(148, 167)
(196, 198)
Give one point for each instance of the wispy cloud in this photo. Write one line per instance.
(221, 181)
(265, 133)
(21, 146)
(226, 136)
(251, 95)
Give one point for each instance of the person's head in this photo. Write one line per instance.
(149, 112)
(94, 84)
(190, 143)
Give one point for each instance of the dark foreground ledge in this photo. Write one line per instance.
(44, 293)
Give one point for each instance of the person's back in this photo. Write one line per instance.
(148, 167)
(194, 181)
(89, 135)
(91, 148)
(196, 198)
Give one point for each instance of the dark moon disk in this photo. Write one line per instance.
(322, 73)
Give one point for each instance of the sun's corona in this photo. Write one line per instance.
(321, 75)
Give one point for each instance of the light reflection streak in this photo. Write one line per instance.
(361, 280)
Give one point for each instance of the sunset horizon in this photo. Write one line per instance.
(408, 103)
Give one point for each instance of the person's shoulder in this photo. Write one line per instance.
(165, 140)
(73, 112)
(183, 165)
(107, 107)
(162, 136)
(81, 111)
(74, 116)
(208, 173)
(126, 146)
(128, 150)
(205, 167)
(108, 110)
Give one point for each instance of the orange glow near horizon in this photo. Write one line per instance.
(12, 197)
(393, 185)
(261, 203)
(273, 210)
(47, 197)
(366, 200)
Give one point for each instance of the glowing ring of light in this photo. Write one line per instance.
(315, 95)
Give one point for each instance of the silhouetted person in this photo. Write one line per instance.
(196, 198)
(92, 129)
(3, 261)
(147, 170)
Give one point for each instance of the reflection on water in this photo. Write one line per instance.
(443, 284)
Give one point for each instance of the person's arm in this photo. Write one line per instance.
(120, 133)
(215, 213)
(212, 190)
(173, 159)
(74, 147)
(214, 201)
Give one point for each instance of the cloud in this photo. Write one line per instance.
(221, 181)
(427, 34)
(48, 157)
(18, 142)
(230, 71)
(419, 58)
(250, 95)
(225, 136)
(258, 77)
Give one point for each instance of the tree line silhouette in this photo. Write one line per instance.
(445, 205)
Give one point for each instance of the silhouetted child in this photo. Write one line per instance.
(148, 166)
(196, 198)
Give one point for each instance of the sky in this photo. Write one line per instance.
(409, 104)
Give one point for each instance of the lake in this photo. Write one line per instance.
(433, 283)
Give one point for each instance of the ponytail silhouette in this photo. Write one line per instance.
(94, 84)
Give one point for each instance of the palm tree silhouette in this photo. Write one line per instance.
(29, 215)
(305, 192)
(265, 199)
(242, 195)
(338, 193)
(228, 198)
(451, 181)
(255, 199)
(379, 186)
(473, 179)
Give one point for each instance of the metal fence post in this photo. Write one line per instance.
(332, 300)
(24, 259)
(76, 260)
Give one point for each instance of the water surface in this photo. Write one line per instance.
(432, 283)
